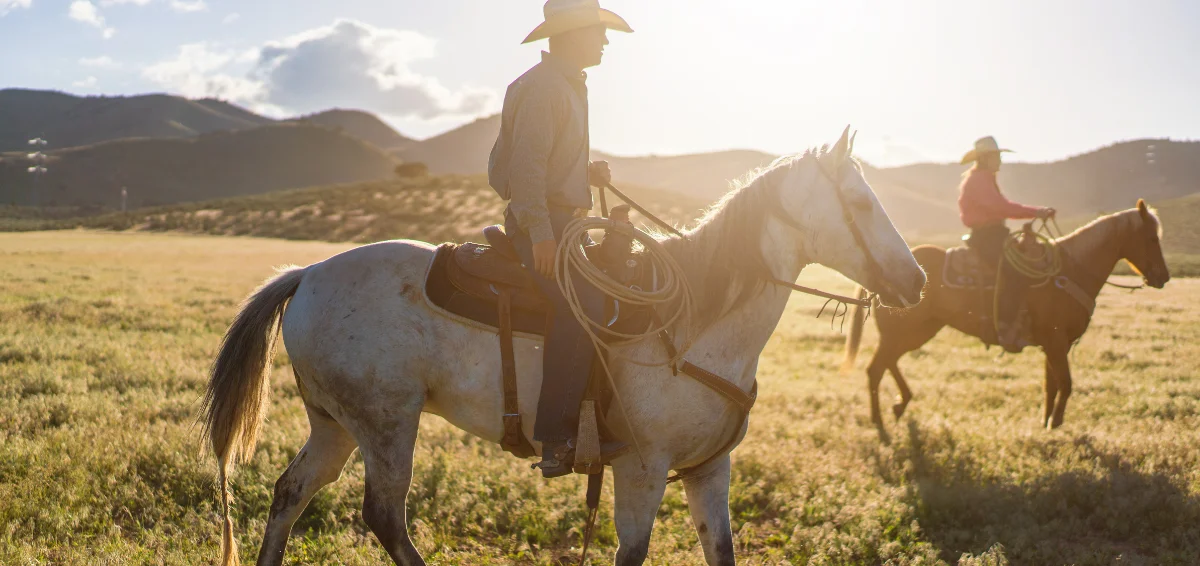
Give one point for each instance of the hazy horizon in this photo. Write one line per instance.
(919, 81)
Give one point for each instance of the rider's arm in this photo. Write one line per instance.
(989, 197)
(532, 140)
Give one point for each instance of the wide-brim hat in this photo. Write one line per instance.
(983, 146)
(566, 15)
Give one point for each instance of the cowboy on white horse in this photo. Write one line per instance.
(540, 163)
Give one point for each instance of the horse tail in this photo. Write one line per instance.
(235, 402)
(854, 339)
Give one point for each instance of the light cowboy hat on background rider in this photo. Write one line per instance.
(983, 146)
(566, 15)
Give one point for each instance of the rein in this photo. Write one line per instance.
(865, 303)
(1054, 234)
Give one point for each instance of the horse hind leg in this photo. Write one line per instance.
(318, 464)
(388, 463)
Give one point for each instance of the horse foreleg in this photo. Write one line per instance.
(638, 492)
(1051, 392)
(388, 462)
(1056, 360)
(905, 393)
(708, 500)
(874, 377)
(318, 464)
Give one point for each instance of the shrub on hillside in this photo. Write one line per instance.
(411, 169)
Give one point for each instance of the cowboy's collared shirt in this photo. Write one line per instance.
(980, 202)
(540, 159)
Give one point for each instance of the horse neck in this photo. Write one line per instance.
(1096, 249)
(747, 324)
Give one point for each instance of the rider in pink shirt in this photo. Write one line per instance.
(983, 209)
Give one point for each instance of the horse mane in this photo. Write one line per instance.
(721, 255)
(1092, 236)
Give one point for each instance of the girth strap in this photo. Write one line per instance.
(728, 389)
(514, 440)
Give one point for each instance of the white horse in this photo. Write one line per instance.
(371, 354)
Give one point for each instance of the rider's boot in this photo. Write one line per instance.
(558, 458)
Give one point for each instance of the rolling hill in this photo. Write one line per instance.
(215, 165)
(69, 121)
(461, 151)
(362, 125)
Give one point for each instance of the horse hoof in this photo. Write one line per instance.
(898, 410)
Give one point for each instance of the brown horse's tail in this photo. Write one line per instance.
(854, 339)
(236, 400)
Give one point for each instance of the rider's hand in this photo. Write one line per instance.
(543, 257)
(598, 174)
(1046, 212)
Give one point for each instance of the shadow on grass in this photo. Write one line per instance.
(1103, 512)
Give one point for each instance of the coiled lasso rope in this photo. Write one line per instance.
(1042, 268)
(672, 292)
(1047, 265)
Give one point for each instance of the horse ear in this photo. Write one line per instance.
(841, 150)
(1141, 206)
(850, 150)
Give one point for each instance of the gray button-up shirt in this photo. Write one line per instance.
(540, 159)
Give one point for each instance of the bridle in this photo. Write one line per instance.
(874, 271)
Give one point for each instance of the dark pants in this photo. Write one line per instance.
(1011, 286)
(568, 352)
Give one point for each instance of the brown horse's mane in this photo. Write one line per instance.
(1087, 239)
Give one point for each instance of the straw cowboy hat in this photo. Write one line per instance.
(566, 15)
(983, 146)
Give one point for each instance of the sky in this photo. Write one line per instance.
(919, 80)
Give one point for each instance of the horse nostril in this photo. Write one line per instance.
(919, 281)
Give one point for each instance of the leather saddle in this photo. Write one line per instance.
(489, 285)
(964, 268)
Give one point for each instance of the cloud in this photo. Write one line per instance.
(354, 64)
(89, 82)
(86, 12)
(196, 73)
(346, 64)
(232, 17)
(7, 6)
(188, 5)
(102, 62)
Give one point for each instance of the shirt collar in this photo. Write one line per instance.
(568, 70)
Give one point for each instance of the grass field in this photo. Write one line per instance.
(105, 339)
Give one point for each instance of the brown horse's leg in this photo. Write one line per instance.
(1051, 392)
(1056, 359)
(879, 363)
(912, 339)
(905, 392)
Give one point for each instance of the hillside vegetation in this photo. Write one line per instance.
(105, 341)
(215, 165)
(433, 209)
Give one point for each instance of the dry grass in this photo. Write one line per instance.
(105, 338)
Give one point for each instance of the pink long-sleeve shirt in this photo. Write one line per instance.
(980, 202)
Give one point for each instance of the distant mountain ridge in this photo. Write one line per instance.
(362, 125)
(920, 198)
(203, 167)
(70, 121)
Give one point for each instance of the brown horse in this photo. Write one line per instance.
(1058, 318)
